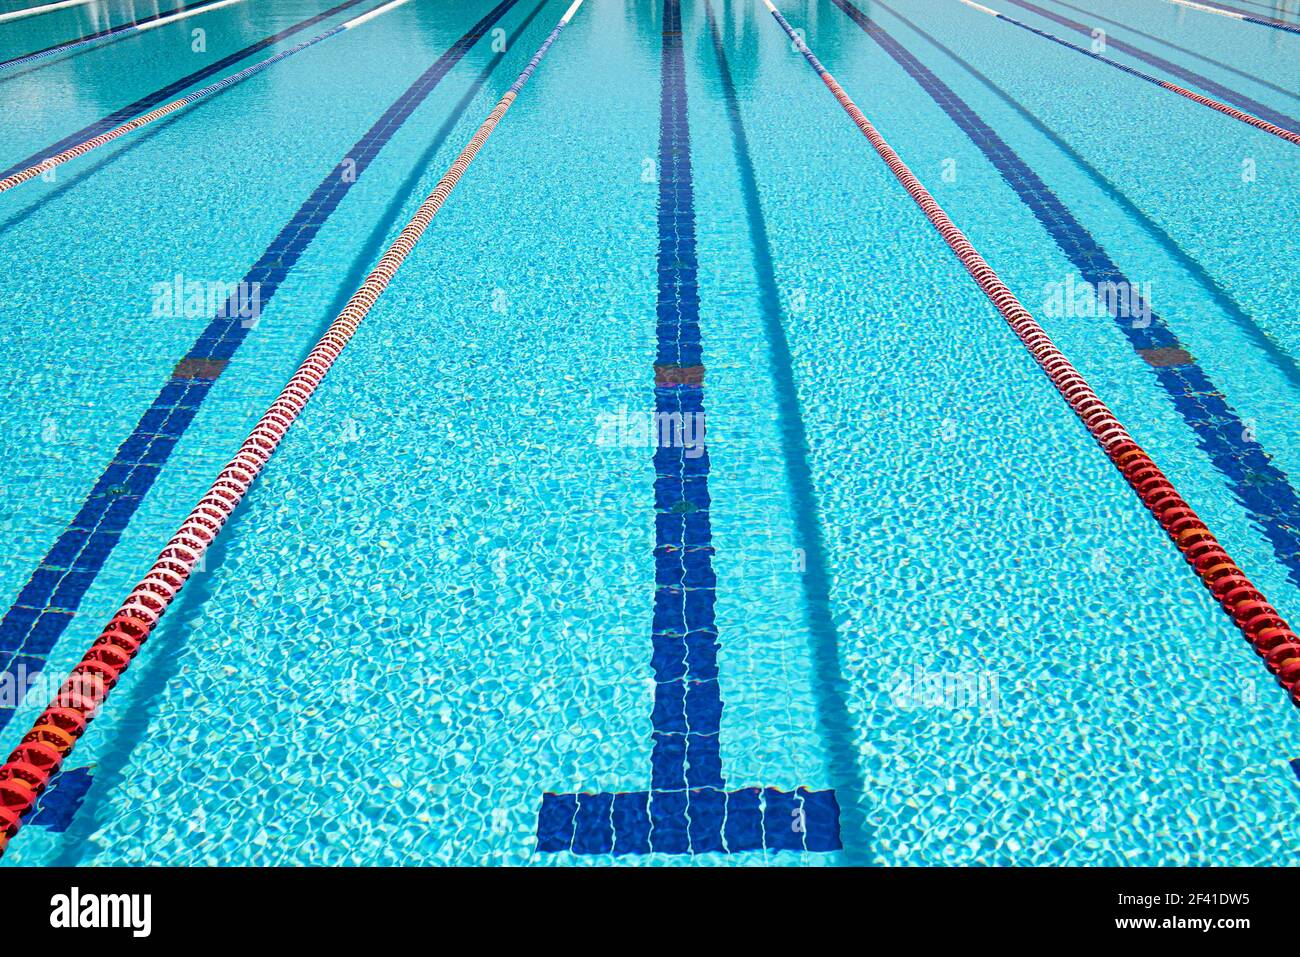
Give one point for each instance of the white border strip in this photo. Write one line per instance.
(181, 15)
(34, 11)
(1200, 6)
(378, 11)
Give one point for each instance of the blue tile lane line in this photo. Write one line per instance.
(47, 603)
(1227, 94)
(687, 809)
(89, 38)
(1261, 488)
(170, 91)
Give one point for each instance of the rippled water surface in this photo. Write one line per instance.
(913, 580)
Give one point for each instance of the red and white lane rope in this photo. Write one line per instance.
(1259, 621)
(55, 732)
(72, 152)
(1289, 135)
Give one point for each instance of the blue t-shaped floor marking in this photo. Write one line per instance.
(688, 809)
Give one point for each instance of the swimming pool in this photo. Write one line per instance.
(480, 608)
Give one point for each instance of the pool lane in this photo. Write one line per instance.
(553, 697)
(48, 166)
(488, 533)
(687, 804)
(57, 817)
(1210, 211)
(688, 808)
(1256, 473)
(51, 597)
(932, 770)
(140, 612)
(1283, 361)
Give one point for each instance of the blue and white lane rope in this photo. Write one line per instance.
(1238, 15)
(135, 26)
(81, 149)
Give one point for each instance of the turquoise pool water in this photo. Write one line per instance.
(935, 597)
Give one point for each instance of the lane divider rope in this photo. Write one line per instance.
(1262, 625)
(55, 732)
(72, 152)
(135, 26)
(35, 621)
(1239, 15)
(1288, 135)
